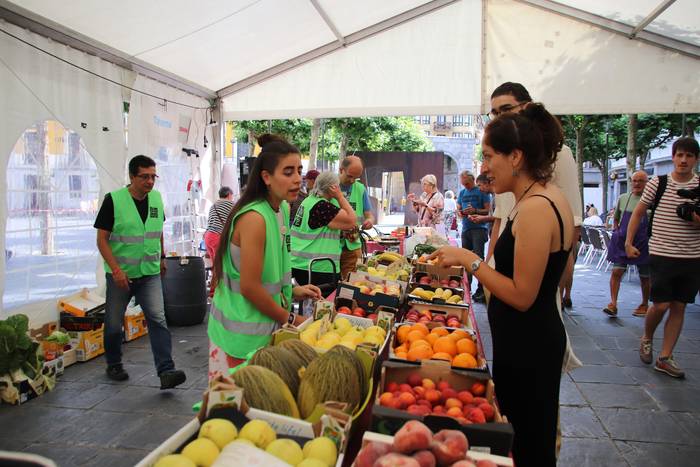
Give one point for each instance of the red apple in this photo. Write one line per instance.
(343, 310)
(372, 316)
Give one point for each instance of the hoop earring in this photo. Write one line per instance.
(516, 172)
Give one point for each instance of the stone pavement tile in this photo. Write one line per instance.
(65, 454)
(593, 357)
(626, 357)
(601, 374)
(658, 454)
(690, 422)
(94, 372)
(153, 430)
(120, 457)
(7, 444)
(676, 399)
(685, 345)
(582, 342)
(688, 361)
(652, 378)
(202, 383)
(690, 333)
(643, 425)
(617, 395)
(152, 380)
(102, 428)
(569, 393)
(77, 395)
(582, 452)
(580, 422)
(29, 423)
(141, 355)
(605, 342)
(150, 400)
(181, 331)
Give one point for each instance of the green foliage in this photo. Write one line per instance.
(297, 131)
(17, 349)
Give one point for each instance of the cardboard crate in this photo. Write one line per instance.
(369, 302)
(352, 305)
(460, 312)
(87, 344)
(54, 367)
(90, 322)
(69, 357)
(438, 301)
(83, 303)
(19, 391)
(435, 280)
(438, 271)
(494, 437)
(134, 326)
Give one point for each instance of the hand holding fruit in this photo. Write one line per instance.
(453, 256)
(303, 292)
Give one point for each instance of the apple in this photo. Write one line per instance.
(359, 312)
(454, 284)
(343, 310)
(372, 316)
(364, 289)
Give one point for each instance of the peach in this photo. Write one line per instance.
(428, 383)
(478, 388)
(433, 396)
(396, 394)
(419, 410)
(480, 400)
(386, 399)
(419, 391)
(407, 399)
(370, 453)
(405, 388)
(449, 446)
(393, 386)
(424, 403)
(465, 396)
(454, 412)
(488, 410)
(476, 415)
(442, 385)
(438, 410)
(414, 379)
(463, 421)
(486, 463)
(451, 402)
(396, 460)
(425, 458)
(448, 393)
(413, 436)
(464, 463)
(396, 404)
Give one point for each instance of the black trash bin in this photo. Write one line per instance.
(185, 290)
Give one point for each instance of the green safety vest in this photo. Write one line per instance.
(308, 244)
(235, 325)
(357, 201)
(135, 245)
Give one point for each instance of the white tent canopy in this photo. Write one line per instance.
(176, 60)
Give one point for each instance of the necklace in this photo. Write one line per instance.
(521, 198)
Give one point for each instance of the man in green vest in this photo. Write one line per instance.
(351, 169)
(130, 239)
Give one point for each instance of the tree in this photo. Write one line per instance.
(574, 135)
(313, 145)
(297, 131)
(631, 146)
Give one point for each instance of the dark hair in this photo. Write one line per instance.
(224, 191)
(482, 179)
(139, 161)
(534, 131)
(345, 163)
(687, 144)
(273, 148)
(516, 90)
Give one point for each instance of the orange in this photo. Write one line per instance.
(464, 360)
(466, 346)
(431, 338)
(401, 348)
(445, 344)
(402, 355)
(458, 334)
(442, 356)
(440, 331)
(414, 335)
(419, 343)
(402, 333)
(420, 352)
(420, 327)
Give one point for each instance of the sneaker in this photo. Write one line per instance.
(640, 311)
(117, 373)
(669, 366)
(171, 378)
(610, 310)
(645, 351)
(479, 297)
(567, 303)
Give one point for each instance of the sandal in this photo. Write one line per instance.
(610, 310)
(640, 311)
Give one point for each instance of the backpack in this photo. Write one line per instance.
(663, 181)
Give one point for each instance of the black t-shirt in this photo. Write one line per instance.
(322, 213)
(105, 216)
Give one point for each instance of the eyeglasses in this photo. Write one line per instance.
(146, 177)
(505, 109)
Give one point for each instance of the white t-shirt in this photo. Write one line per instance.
(594, 221)
(450, 205)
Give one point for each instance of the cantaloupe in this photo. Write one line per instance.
(301, 349)
(332, 376)
(349, 354)
(264, 390)
(283, 362)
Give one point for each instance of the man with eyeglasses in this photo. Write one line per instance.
(130, 239)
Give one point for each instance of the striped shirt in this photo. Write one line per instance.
(671, 235)
(218, 214)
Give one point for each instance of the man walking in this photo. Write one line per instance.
(351, 169)
(623, 211)
(472, 201)
(130, 239)
(674, 248)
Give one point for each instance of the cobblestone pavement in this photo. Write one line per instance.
(615, 411)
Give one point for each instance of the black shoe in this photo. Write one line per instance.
(567, 303)
(479, 297)
(171, 378)
(116, 372)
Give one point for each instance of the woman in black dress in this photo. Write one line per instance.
(528, 335)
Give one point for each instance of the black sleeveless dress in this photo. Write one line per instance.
(528, 351)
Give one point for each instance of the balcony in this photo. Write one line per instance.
(442, 126)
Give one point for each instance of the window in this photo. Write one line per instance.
(441, 119)
(457, 134)
(425, 120)
(469, 120)
(457, 120)
(52, 199)
(427, 133)
(417, 118)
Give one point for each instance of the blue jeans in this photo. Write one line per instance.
(149, 294)
(474, 240)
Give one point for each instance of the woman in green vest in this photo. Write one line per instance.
(316, 231)
(254, 294)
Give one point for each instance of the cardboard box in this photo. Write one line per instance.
(494, 437)
(54, 367)
(369, 302)
(82, 303)
(377, 438)
(20, 390)
(87, 344)
(438, 271)
(90, 322)
(435, 280)
(134, 326)
(438, 301)
(69, 357)
(460, 312)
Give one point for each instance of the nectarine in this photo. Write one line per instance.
(413, 436)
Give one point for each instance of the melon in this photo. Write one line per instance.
(299, 348)
(264, 390)
(283, 362)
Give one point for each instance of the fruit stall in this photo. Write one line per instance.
(389, 370)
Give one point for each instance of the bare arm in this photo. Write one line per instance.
(485, 210)
(250, 229)
(105, 249)
(630, 250)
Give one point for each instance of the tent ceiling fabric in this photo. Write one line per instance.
(436, 63)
